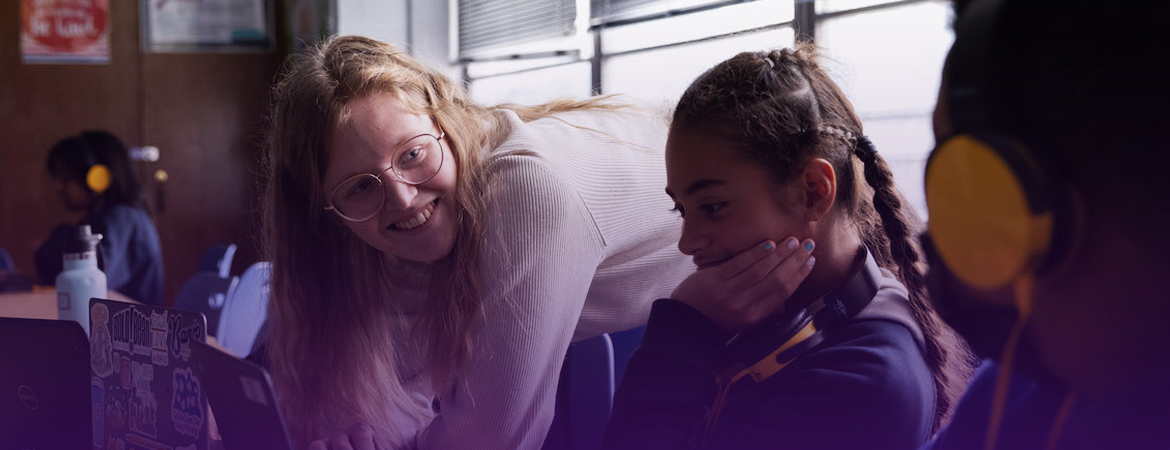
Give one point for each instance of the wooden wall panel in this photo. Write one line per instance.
(205, 113)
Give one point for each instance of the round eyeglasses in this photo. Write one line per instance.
(361, 197)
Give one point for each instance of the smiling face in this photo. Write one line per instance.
(416, 222)
(728, 203)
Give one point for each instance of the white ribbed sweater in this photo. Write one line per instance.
(580, 240)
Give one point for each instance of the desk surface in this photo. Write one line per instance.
(38, 305)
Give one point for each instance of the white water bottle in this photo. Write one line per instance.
(81, 279)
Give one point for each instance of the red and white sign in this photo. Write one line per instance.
(65, 31)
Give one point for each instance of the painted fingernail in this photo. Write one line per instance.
(811, 260)
(808, 246)
(791, 243)
(768, 246)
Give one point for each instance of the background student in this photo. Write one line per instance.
(93, 175)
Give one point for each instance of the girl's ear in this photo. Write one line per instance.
(818, 185)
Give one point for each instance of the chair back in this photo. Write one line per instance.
(218, 259)
(206, 293)
(245, 310)
(6, 260)
(584, 396)
(624, 344)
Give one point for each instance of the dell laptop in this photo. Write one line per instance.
(45, 385)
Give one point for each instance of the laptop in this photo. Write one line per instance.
(241, 395)
(144, 389)
(44, 385)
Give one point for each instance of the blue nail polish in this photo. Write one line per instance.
(791, 243)
(808, 246)
(768, 246)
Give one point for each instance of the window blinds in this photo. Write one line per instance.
(487, 24)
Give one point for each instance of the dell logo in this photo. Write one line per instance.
(28, 397)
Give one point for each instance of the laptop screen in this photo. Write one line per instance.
(241, 395)
(44, 385)
(142, 380)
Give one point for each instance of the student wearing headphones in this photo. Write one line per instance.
(1048, 235)
(807, 324)
(94, 177)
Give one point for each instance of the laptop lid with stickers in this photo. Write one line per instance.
(142, 376)
(44, 385)
(242, 398)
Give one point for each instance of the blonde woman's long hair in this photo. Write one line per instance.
(332, 350)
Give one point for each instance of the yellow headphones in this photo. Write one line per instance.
(994, 215)
(997, 218)
(97, 177)
(762, 356)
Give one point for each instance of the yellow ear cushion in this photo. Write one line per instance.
(979, 217)
(98, 178)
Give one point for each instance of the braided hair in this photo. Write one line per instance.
(788, 111)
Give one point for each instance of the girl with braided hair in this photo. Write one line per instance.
(809, 306)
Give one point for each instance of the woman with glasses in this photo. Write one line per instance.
(433, 258)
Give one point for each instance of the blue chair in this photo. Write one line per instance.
(624, 344)
(6, 260)
(206, 293)
(584, 396)
(218, 259)
(245, 310)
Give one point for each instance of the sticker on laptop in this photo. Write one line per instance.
(254, 390)
(180, 336)
(186, 413)
(101, 347)
(143, 405)
(130, 329)
(117, 407)
(127, 375)
(158, 338)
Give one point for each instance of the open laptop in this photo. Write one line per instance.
(44, 385)
(144, 389)
(241, 395)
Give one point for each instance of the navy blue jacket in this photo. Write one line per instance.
(866, 386)
(1136, 417)
(130, 253)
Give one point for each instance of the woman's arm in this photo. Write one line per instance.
(540, 252)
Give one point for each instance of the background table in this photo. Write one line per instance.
(40, 304)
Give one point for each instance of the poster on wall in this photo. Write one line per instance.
(65, 31)
(172, 26)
